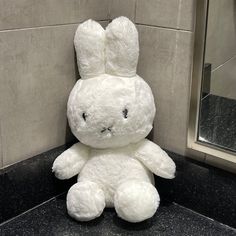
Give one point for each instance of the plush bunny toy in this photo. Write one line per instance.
(111, 111)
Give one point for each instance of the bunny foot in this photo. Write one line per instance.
(85, 201)
(136, 201)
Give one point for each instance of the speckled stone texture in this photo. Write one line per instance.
(218, 122)
(29, 183)
(171, 219)
(204, 189)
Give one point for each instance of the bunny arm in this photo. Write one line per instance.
(71, 161)
(155, 159)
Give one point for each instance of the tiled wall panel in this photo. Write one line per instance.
(123, 8)
(38, 70)
(37, 67)
(221, 32)
(30, 13)
(177, 14)
(165, 61)
(37, 74)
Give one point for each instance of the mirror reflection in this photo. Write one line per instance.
(217, 124)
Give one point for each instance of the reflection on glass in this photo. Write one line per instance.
(217, 124)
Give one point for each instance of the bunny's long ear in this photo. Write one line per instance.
(122, 47)
(89, 44)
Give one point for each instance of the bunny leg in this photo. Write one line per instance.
(136, 201)
(85, 201)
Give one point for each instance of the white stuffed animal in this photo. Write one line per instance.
(111, 111)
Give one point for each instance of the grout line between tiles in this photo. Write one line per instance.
(179, 13)
(46, 26)
(109, 10)
(31, 209)
(75, 23)
(175, 59)
(197, 213)
(218, 67)
(163, 27)
(135, 9)
(205, 97)
(181, 206)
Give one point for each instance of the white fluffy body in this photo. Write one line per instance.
(111, 111)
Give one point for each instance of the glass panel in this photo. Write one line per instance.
(217, 124)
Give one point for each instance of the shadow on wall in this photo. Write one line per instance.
(235, 17)
(77, 76)
(70, 138)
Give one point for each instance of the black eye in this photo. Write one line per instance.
(84, 115)
(125, 113)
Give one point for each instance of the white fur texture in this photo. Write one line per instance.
(66, 168)
(136, 201)
(111, 111)
(112, 51)
(122, 48)
(89, 44)
(85, 201)
(110, 168)
(103, 101)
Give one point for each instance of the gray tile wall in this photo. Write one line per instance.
(223, 79)
(221, 47)
(221, 32)
(123, 8)
(165, 62)
(176, 14)
(31, 13)
(166, 37)
(38, 69)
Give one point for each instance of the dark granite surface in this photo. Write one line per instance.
(29, 183)
(202, 188)
(171, 219)
(205, 189)
(218, 122)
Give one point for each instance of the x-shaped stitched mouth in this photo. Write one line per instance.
(104, 129)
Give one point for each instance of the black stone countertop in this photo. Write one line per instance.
(28, 183)
(218, 122)
(51, 218)
(196, 188)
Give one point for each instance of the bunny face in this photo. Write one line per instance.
(110, 106)
(111, 111)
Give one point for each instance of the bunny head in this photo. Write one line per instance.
(110, 106)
